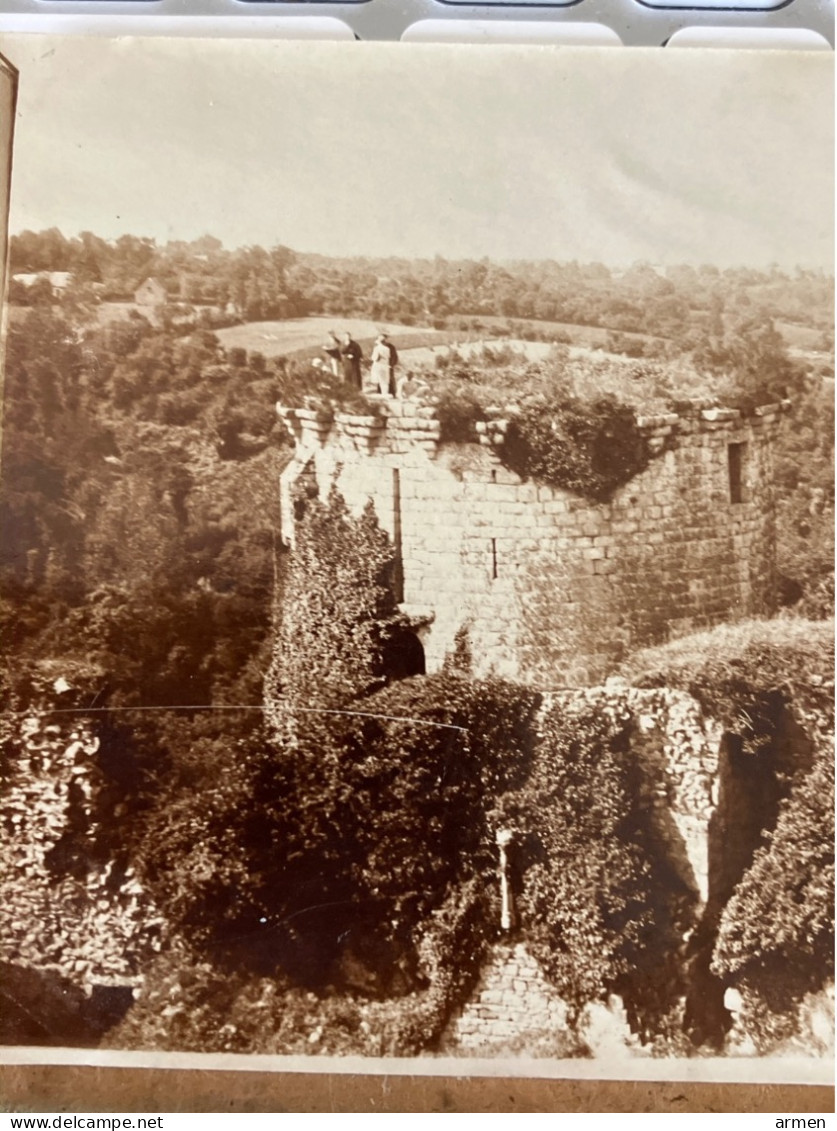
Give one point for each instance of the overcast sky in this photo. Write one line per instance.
(384, 149)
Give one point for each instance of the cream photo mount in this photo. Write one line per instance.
(590, 177)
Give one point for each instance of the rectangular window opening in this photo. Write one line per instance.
(494, 558)
(736, 453)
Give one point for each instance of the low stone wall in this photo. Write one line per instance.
(512, 1005)
(515, 1010)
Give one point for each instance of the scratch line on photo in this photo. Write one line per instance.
(238, 707)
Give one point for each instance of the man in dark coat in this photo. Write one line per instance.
(351, 354)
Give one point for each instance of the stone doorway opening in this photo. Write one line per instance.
(404, 655)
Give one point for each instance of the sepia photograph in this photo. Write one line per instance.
(417, 554)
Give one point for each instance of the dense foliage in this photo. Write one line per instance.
(303, 860)
(298, 853)
(776, 937)
(331, 892)
(805, 500)
(749, 675)
(338, 611)
(139, 543)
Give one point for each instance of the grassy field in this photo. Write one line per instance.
(298, 335)
(302, 338)
(800, 337)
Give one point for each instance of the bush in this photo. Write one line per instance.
(196, 845)
(587, 448)
(190, 1005)
(382, 812)
(456, 367)
(450, 955)
(337, 608)
(458, 414)
(746, 675)
(359, 862)
(426, 757)
(587, 897)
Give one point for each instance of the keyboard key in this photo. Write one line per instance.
(571, 33)
(775, 39)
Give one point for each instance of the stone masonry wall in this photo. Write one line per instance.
(548, 585)
(512, 1004)
(514, 1009)
(677, 749)
(64, 909)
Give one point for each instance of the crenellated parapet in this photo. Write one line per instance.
(398, 426)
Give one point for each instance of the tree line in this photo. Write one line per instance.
(254, 283)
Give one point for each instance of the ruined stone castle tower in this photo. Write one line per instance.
(539, 584)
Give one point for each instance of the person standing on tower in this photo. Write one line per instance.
(332, 351)
(352, 355)
(384, 361)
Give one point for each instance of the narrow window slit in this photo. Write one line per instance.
(398, 578)
(736, 472)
